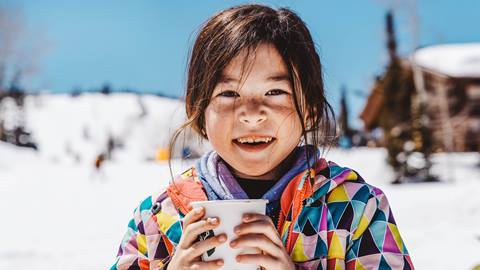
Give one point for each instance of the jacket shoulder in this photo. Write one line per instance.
(346, 184)
(157, 212)
(356, 191)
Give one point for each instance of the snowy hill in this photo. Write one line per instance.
(78, 128)
(59, 213)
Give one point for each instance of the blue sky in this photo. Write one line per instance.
(143, 44)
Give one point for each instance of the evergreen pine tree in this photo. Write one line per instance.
(408, 137)
(397, 87)
(345, 131)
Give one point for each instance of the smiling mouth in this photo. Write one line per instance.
(254, 144)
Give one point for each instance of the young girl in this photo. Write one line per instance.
(255, 92)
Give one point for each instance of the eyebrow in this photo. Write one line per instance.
(273, 77)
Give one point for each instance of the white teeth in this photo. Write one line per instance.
(253, 139)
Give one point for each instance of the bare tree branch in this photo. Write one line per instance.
(20, 50)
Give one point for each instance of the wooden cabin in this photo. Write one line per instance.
(447, 80)
(447, 77)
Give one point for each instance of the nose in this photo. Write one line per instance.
(253, 117)
(252, 111)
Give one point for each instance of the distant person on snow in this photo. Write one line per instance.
(99, 161)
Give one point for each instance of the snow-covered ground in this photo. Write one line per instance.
(58, 213)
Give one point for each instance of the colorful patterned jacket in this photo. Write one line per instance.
(336, 221)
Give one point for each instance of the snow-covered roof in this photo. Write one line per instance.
(454, 60)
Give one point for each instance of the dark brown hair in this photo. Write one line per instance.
(243, 28)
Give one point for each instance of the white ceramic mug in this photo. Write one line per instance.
(230, 213)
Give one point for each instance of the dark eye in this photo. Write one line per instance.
(276, 92)
(228, 93)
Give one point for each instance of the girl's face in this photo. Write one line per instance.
(253, 125)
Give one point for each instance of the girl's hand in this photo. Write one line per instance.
(258, 231)
(188, 252)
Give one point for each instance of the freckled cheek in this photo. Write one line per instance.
(290, 123)
(285, 113)
(223, 106)
(280, 106)
(218, 125)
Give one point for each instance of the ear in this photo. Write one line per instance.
(200, 128)
(308, 119)
(204, 133)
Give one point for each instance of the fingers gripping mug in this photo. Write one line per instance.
(230, 213)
